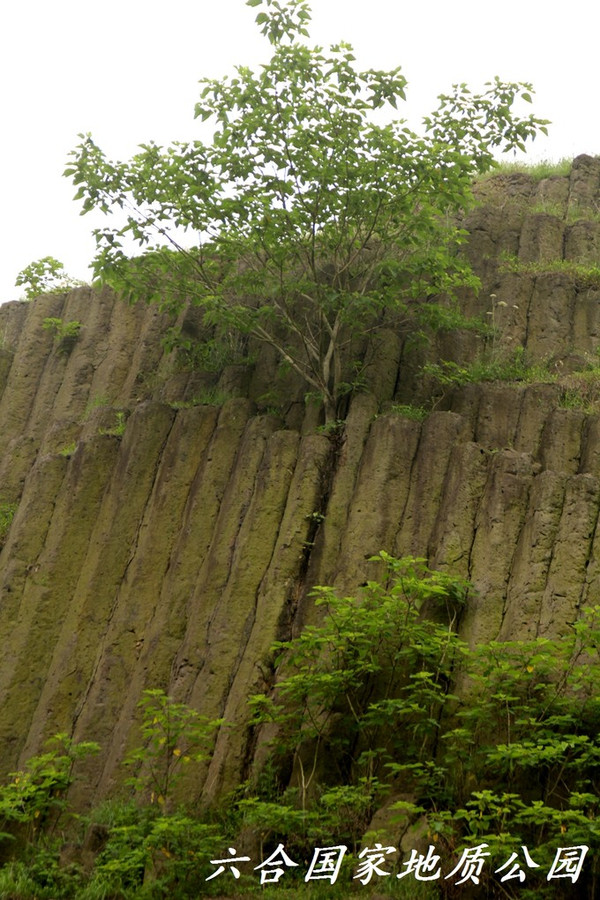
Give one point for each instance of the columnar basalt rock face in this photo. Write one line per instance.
(164, 544)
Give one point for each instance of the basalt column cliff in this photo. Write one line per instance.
(169, 524)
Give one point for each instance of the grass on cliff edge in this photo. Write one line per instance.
(544, 168)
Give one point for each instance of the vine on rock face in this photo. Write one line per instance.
(310, 222)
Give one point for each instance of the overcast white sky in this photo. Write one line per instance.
(127, 71)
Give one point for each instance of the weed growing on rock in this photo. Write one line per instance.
(118, 429)
(65, 333)
(99, 400)
(7, 514)
(409, 411)
(212, 396)
(69, 450)
(581, 389)
(507, 367)
(585, 275)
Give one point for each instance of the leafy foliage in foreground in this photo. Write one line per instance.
(37, 794)
(310, 222)
(365, 714)
(370, 664)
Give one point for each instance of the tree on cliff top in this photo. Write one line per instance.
(309, 220)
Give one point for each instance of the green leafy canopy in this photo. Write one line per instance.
(303, 221)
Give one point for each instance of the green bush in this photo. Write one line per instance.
(376, 671)
(149, 855)
(365, 711)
